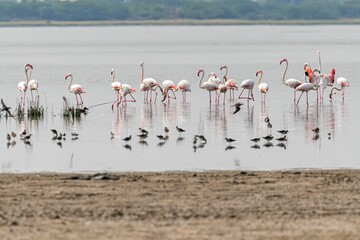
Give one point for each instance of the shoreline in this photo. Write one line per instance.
(176, 22)
(308, 204)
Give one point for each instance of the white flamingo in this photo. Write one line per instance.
(222, 88)
(125, 90)
(305, 87)
(33, 85)
(343, 82)
(23, 86)
(291, 82)
(231, 83)
(183, 86)
(76, 89)
(263, 87)
(167, 86)
(208, 85)
(116, 86)
(249, 85)
(148, 84)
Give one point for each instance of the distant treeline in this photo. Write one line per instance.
(85, 10)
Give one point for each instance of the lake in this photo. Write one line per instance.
(175, 53)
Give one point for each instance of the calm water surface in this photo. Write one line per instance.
(177, 53)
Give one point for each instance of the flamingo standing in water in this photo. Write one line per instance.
(263, 87)
(116, 86)
(23, 86)
(291, 82)
(305, 87)
(76, 89)
(222, 88)
(33, 85)
(231, 83)
(249, 85)
(167, 86)
(148, 84)
(125, 90)
(183, 86)
(343, 82)
(208, 85)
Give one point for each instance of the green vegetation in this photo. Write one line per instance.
(143, 10)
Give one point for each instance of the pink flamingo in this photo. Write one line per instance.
(263, 87)
(76, 89)
(305, 87)
(33, 85)
(167, 86)
(116, 86)
(148, 84)
(23, 86)
(231, 83)
(249, 85)
(184, 87)
(208, 85)
(125, 90)
(291, 82)
(343, 82)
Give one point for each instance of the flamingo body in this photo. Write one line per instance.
(167, 86)
(305, 88)
(76, 89)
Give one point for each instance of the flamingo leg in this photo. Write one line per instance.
(299, 98)
(252, 95)
(307, 98)
(241, 93)
(343, 93)
(210, 96)
(224, 98)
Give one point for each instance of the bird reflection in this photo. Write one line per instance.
(229, 147)
(282, 145)
(255, 146)
(180, 139)
(143, 142)
(127, 146)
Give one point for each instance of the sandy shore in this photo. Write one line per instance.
(212, 205)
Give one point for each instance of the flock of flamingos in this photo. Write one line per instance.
(314, 80)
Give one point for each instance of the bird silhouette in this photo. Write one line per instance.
(180, 129)
(237, 107)
(255, 140)
(127, 138)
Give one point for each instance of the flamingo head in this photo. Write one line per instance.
(28, 66)
(222, 67)
(306, 66)
(112, 71)
(258, 71)
(141, 64)
(283, 60)
(212, 74)
(199, 71)
(68, 75)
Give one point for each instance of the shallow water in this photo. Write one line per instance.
(177, 53)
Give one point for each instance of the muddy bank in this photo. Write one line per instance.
(176, 205)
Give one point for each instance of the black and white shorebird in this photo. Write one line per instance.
(161, 137)
(255, 140)
(316, 130)
(281, 139)
(142, 130)
(230, 140)
(180, 130)
(268, 137)
(127, 138)
(283, 131)
(166, 130)
(237, 106)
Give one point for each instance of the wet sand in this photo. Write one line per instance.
(302, 204)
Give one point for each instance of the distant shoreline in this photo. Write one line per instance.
(189, 22)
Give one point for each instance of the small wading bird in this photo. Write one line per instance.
(237, 107)
(76, 89)
(180, 130)
(230, 140)
(291, 82)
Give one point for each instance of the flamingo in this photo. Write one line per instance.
(148, 84)
(125, 90)
(23, 86)
(263, 87)
(305, 87)
(231, 83)
(291, 82)
(208, 86)
(116, 86)
(343, 82)
(183, 86)
(76, 89)
(222, 88)
(167, 86)
(249, 85)
(33, 84)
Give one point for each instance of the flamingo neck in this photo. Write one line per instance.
(260, 77)
(201, 79)
(286, 67)
(319, 59)
(113, 76)
(71, 79)
(142, 74)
